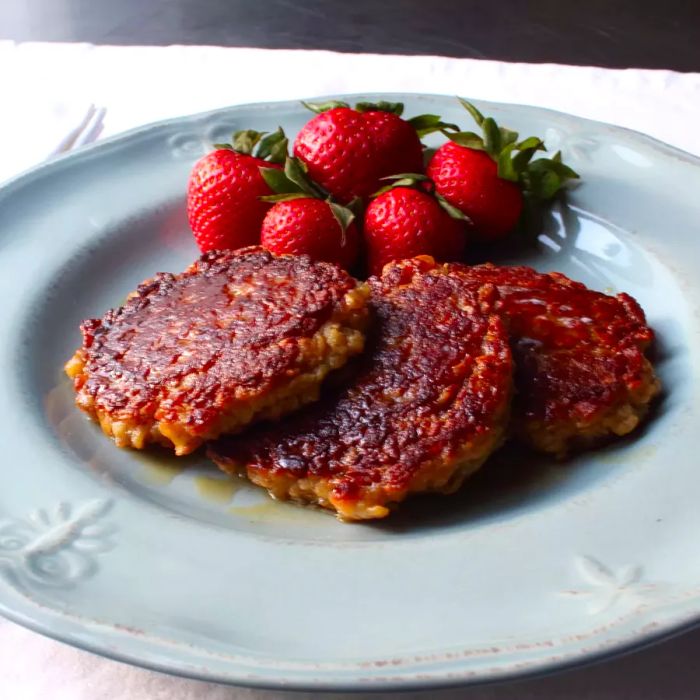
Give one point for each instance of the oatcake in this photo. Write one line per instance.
(581, 374)
(239, 336)
(426, 404)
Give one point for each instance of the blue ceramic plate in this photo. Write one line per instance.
(164, 563)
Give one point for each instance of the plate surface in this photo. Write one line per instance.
(163, 563)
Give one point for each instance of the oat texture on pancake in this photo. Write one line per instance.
(425, 406)
(240, 335)
(581, 371)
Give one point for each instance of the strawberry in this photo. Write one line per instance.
(305, 221)
(223, 194)
(347, 151)
(308, 226)
(469, 180)
(406, 219)
(487, 177)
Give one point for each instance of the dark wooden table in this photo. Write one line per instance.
(612, 33)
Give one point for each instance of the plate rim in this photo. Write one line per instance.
(377, 685)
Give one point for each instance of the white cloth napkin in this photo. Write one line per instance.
(47, 88)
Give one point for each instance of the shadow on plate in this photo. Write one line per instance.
(516, 480)
(569, 240)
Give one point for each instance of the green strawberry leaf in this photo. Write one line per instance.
(382, 190)
(531, 143)
(283, 197)
(295, 171)
(244, 141)
(540, 179)
(273, 147)
(292, 180)
(554, 163)
(545, 185)
(278, 181)
(508, 136)
(423, 121)
(451, 209)
(417, 177)
(425, 124)
(545, 177)
(492, 137)
(403, 180)
(356, 206)
(522, 158)
(343, 216)
(567, 172)
(506, 166)
(476, 114)
(556, 166)
(468, 139)
(319, 107)
(381, 106)
(424, 184)
(428, 154)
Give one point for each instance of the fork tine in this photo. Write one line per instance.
(67, 142)
(92, 130)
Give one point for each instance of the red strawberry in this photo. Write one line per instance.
(486, 178)
(468, 179)
(347, 151)
(223, 195)
(404, 222)
(304, 220)
(308, 226)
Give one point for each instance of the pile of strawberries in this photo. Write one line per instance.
(357, 191)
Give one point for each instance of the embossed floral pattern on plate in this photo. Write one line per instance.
(55, 547)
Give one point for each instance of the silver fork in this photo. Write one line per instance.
(87, 131)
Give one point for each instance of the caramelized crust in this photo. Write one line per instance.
(581, 373)
(425, 406)
(239, 335)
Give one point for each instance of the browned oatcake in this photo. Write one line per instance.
(239, 336)
(426, 405)
(581, 371)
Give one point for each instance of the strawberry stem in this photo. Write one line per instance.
(539, 179)
(248, 142)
